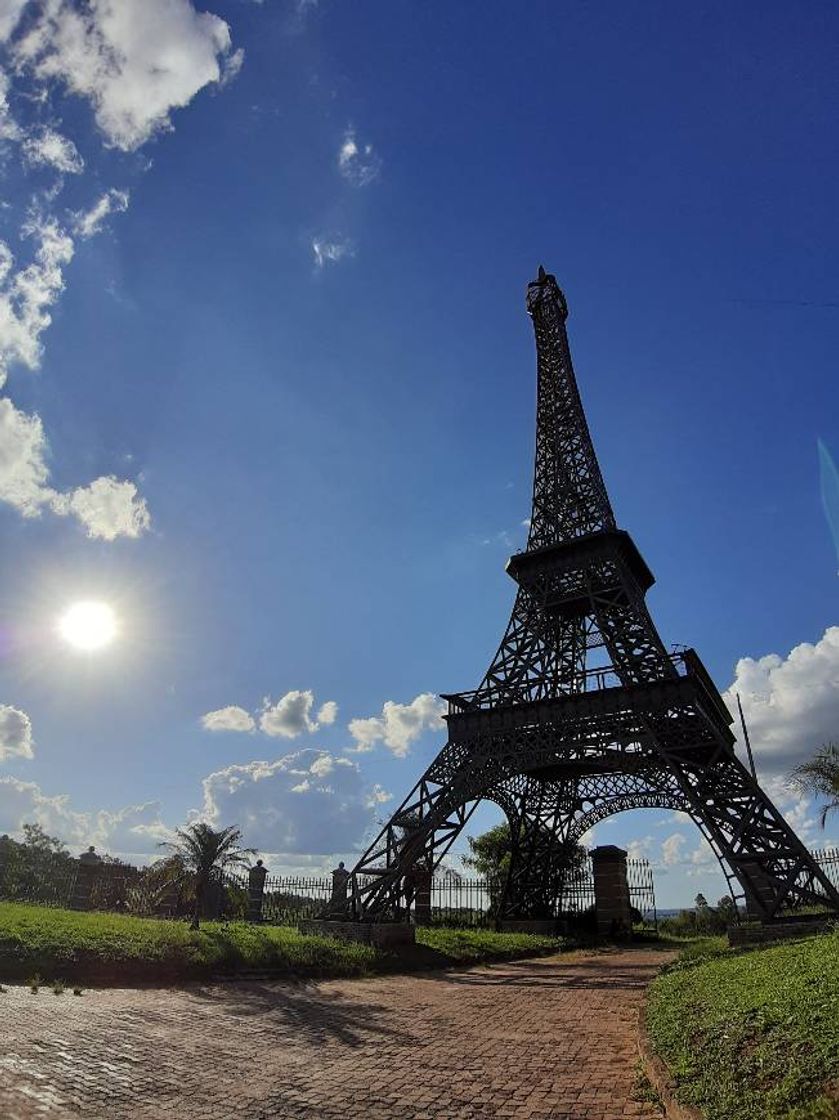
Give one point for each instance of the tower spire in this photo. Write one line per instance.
(569, 495)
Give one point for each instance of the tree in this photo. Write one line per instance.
(205, 852)
(820, 777)
(726, 911)
(36, 839)
(491, 853)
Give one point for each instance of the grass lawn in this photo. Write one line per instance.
(464, 945)
(97, 947)
(752, 1034)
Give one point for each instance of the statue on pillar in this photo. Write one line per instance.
(339, 903)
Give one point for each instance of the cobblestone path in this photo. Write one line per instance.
(550, 1038)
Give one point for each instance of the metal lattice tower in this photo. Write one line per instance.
(559, 744)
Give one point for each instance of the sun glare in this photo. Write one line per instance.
(88, 625)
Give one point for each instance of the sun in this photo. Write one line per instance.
(88, 625)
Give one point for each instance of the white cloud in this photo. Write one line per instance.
(639, 848)
(107, 508)
(10, 13)
(135, 829)
(24, 803)
(48, 148)
(331, 250)
(288, 718)
(231, 718)
(791, 704)
(15, 733)
(27, 294)
(89, 222)
(23, 469)
(291, 715)
(306, 802)
(671, 849)
(378, 795)
(133, 60)
(358, 163)
(399, 725)
(9, 128)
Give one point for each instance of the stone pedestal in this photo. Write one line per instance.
(611, 892)
(256, 889)
(383, 935)
(87, 869)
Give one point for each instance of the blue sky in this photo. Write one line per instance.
(286, 395)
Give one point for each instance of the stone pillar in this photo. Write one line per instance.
(422, 896)
(611, 891)
(87, 868)
(256, 888)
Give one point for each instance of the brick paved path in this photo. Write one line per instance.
(551, 1038)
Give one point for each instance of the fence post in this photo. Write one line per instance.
(87, 868)
(422, 896)
(611, 891)
(256, 888)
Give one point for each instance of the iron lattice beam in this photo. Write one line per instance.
(560, 745)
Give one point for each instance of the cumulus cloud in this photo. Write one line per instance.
(291, 715)
(15, 733)
(89, 222)
(23, 469)
(24, 802)
(306, 802)
(134, 61)
(358, 163)
(231, 718)
(133, 830)
(331, 250)
(399, 725)
(48, 148)
(107, 508)
(791, 703)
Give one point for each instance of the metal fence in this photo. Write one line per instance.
(50, 880)
(458, 901)
(289, 898)
(828, 861)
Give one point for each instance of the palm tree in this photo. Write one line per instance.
(204, 851)
(820, 777)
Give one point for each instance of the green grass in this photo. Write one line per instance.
(109, 948)
(464, 945)
(752, 1033)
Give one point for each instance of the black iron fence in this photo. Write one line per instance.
(50, 879)
(828, 861)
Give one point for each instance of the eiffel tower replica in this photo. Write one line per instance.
(583, 712)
